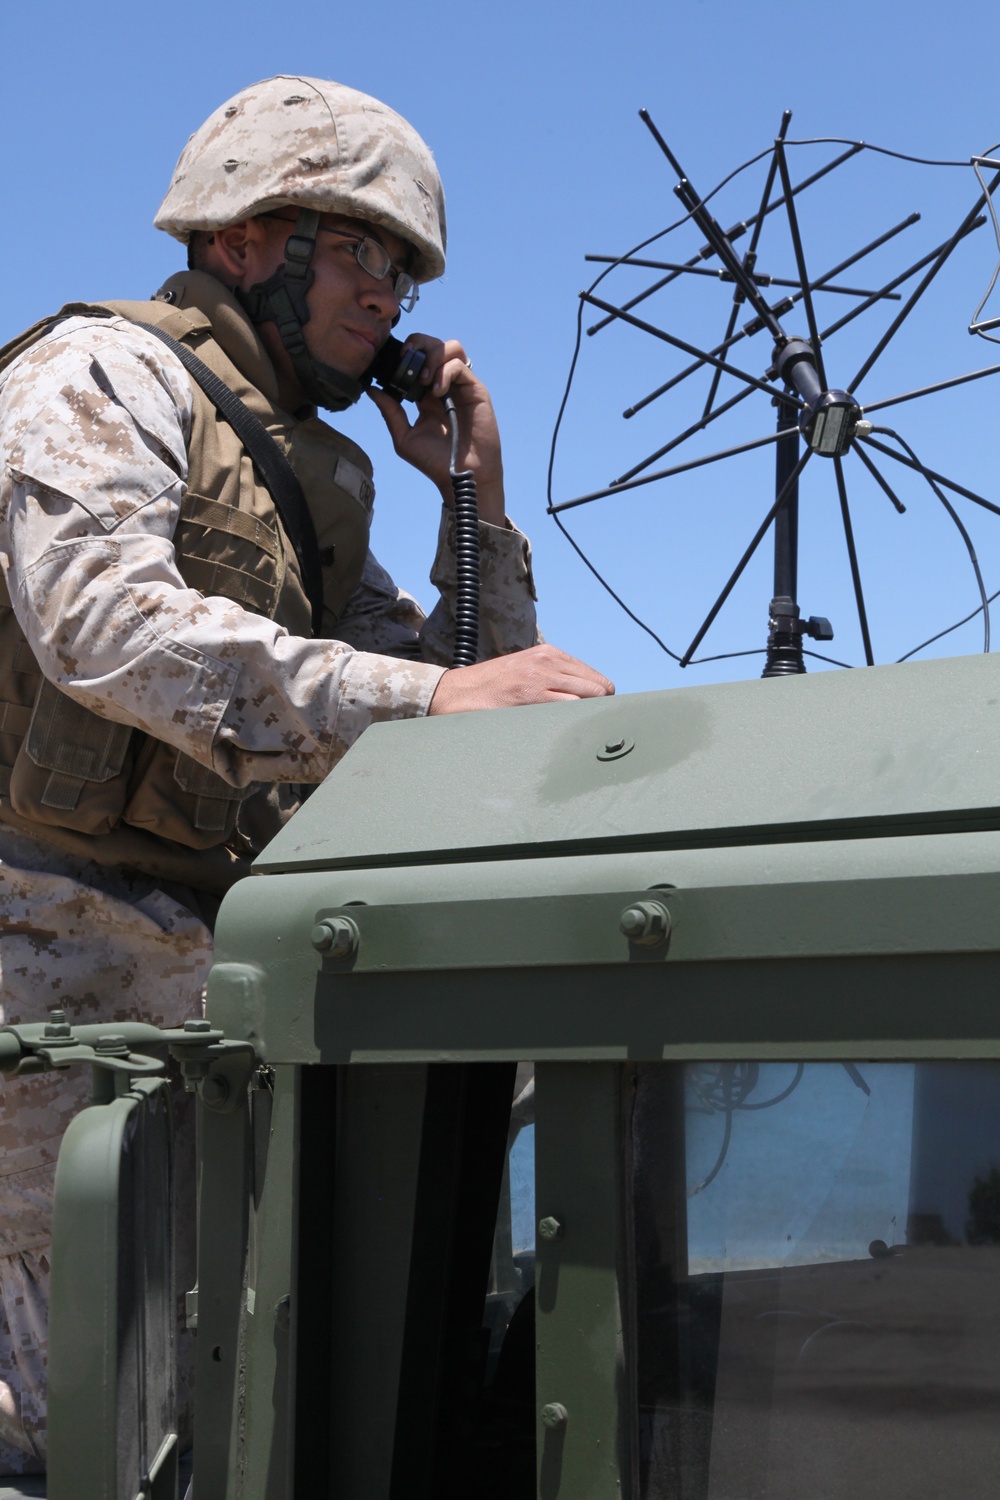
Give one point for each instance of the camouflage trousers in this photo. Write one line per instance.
(100, 945)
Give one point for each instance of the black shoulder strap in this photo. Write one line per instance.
(270, 463)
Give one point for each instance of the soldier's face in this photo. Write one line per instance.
(350, 311)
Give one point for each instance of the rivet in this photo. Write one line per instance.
(550, 1229)
(554, 1414)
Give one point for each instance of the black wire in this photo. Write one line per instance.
(957, 625)
(605, 584)
(831, 659)
(729, 1091)
(973, 321)
(696, 661)
(839, 140)
(727, 1136)
(778, 1098)
(953, 513)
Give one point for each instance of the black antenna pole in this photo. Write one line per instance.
(784, 644)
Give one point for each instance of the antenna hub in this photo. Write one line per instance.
(829, 422)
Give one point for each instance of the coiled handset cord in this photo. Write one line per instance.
(397, 370)
(463, 484)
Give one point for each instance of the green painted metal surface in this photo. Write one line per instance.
(903, 747)
(579, 1366)
(111, 1399)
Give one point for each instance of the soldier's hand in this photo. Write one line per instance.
(541, 674)
(425, 443)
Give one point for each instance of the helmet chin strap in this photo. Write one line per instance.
(281, 300)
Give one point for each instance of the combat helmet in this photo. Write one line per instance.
(319, 147)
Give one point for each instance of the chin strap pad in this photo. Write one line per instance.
(283, 300)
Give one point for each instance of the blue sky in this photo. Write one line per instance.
(531, 111)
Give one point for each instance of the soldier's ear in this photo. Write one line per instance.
(240, 254)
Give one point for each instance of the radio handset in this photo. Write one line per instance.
(396, 369)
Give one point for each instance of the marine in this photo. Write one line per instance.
(178, 663)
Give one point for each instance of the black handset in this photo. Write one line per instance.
(397, 370)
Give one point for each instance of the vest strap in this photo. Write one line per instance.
(271, 464)
(63, 791)
(215, 516)
(230, 583)
(15, 718)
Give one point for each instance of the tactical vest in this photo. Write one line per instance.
(106, 790)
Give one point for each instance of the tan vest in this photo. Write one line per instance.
(110, 792)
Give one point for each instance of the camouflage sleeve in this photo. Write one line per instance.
(379, 616)
(93, 429)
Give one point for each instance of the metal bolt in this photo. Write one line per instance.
(614, 748)
(111, 1045)
(197, 1025)
(554, 1414)
(337, 937)
(56, 1025)
(647, 923)
(214, 1089)
(550, 1229)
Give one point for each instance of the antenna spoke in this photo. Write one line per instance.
(929, 390)
(669, 338)
(966, 538)
(694, 463)
(786, 489)
(713, 389)
(879, 478)
(845, 513)
(690, 432)
(749, 261)
(800, 261)
(908, 306)
(862, 307)
(735, 233)
(759, 277)
(911, 463)
(787, 303)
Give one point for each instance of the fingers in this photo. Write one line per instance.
(393, 415)
(447, 363)
(542, 674)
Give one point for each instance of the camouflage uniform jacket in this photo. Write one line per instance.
(97, 422)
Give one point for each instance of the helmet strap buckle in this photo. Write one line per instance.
(281, 300)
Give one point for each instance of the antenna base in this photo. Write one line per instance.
(784, 640)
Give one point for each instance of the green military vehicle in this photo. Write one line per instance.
(623, 1121)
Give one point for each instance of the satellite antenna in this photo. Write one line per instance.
(815, 418)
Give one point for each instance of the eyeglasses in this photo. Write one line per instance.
(373, 258)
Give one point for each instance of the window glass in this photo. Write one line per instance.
(816, 1297)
